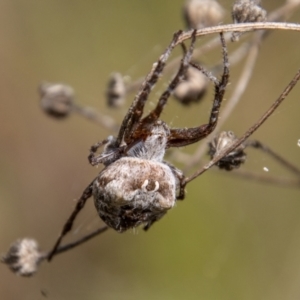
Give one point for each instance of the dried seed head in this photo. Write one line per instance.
(244, 11)
(57, 100)
(116, 91)
(23, 257)
(248, 11)
(232, 160)
(202, 13)
(192, 88)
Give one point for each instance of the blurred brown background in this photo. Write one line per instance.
(230, 238)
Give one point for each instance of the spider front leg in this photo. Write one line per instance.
(93, 158)
(110, 153)
(185, 62)
(187, 136)
(136, 109)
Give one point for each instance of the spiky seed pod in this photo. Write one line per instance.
(202, 13)
(116, 91)
(232, 160)
(192, 88)
(244, 11)
(23, 257)
(57, 100)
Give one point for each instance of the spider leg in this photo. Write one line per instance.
(93, 158)
(186, 136)
(155, 113)
(180, 181)
(181, 194)
(207, 73)
(87, 193)
(135, 112)
(110, 153)
(180, 178)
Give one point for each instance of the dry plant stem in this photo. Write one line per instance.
(240, 28)
(87, 193)
(287, 182)
(245, 174)
(287, 9)
(286, 164)
(249, 132)
(97, 117)
(80, 241)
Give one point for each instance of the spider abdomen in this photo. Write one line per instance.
(133, 191)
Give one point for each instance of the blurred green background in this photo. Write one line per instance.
(230, 238)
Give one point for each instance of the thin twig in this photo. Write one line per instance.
(72, 245)
(285, 163)
(240, 28)
(287, 9)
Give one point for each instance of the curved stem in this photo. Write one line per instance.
(239, 28)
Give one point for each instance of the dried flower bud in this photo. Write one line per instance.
(232, 160)
(202, 13)
(23, 257)
(116, 91)
(193, 88)
(57, 99)
(244, 11)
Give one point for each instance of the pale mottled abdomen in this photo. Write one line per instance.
(133, 191)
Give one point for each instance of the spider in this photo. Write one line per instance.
(137, 187)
